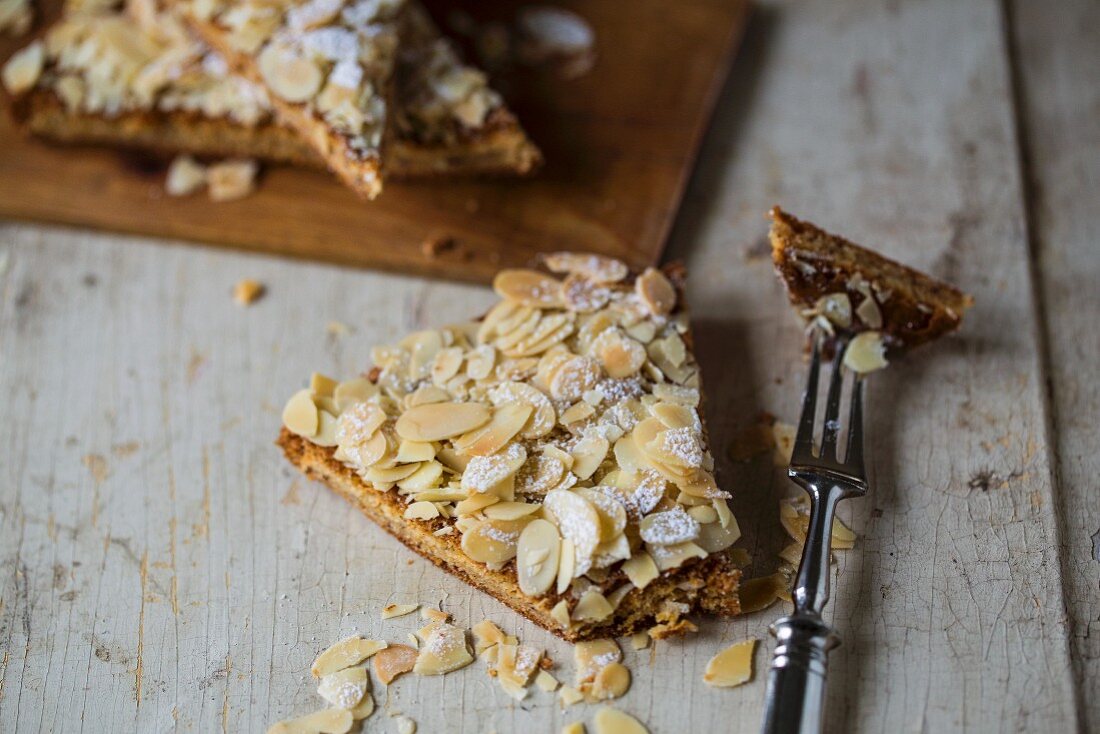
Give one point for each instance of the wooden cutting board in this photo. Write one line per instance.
(619, 143)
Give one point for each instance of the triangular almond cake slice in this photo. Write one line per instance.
(839, 285)
(133, 76)
(552, 453)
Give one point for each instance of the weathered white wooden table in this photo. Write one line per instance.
(161, 569)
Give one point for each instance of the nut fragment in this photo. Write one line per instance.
(639, 641)
(640, 569)
(247, 291)
(326, 721)
(528, 287)
(865, 353)
(537, 556)
(398, 610)
(444, 651)
(404, 725)
(493, 541)
(437, 421)
(656, 292)
(546, 682)
(393, 661)
(23, 68)
(288, 75)
(300, 414)
(231, 180)
(592, 607)
(732, 666)
(613, 721)
(577, 521)
(597, 268)
(185, 176)
(591, 656)
(345, 688)
(612, 681)
(345, 653)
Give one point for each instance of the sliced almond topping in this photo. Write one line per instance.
(639, 640)
(353, 391)
(528, 287)
(592, 607)
(537, 557)
(656, 292)
(703, 514)
(480, 362)
(438, 421)
(326, 721)
(414, 451)
(23, 68)
(588, 454)
(427, 394)
(483, 473)
(493, 541)
(620, 355)
(511, 510)
(577, 413)
(539, 474)
(673, 556)
(446, 364)
(597, 268)
(612, 681)
(577, 521)
(612, 513)
(543, 418)
(378, 476)
(301, 415)
(345, 653)
(507, 421)
(640, 569)
(288, 75)
(393, 661)
(581, 295)
(398, 610)
(444, 651)
(732, 666)
(560, 613)
(421, 511)
(865, 353)
(475, 503)
(612, 721)
(428, 475)
(345, 688)
(714, 536)
(669, 527)
(573, 378)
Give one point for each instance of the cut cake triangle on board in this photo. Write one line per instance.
(170, 93)
(551, 454)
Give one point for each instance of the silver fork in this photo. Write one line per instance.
(796, 681)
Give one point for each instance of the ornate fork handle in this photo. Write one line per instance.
(796, 682)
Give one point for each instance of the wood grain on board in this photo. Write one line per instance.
(619, 143)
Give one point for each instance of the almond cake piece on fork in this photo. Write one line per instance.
(551, 454)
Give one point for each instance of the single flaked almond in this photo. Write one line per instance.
(677, 394)
(345, 688)
(475, 503)
(300, 414)
(398, 610)
(575, 727)
(673, 556)
(537, 556)
(597, 268)
(444, 650)
(434, 615)
(404, 725)
(483, 473)
(421, 511)
(543, 418)
(546, 682)
(576, 413)
(364, 709)
(230, 180)
(588, 454)
(760, 593)
(326, 721)
(414, 451)
(493, 541)
(613, 721)
(714, 536)
(288, 75)
(345, 653)
(560, 613)
(528, 287)
(865, 353)
(427, 394)
(359, 423)
(446, 364)
(438, 421)
(836, 307)
(592, 607)
(869, 312)
(639, 640)
(389, 475)
(511, 510)
(185, 176)
(655, 292)
(574, 377)
(613, 681)
(570, 695)
(356, 390)
(703, 514)
(322, 386)
(326, 427)
(429, 474)
(591, 656)
(480, 361)
(669, 527)
(674, 415)
(620, 355)
(507, 421)
(486, 634)
(732, 666)
(24, 67)
(582, 295)
(640, 569)
(393, 661)
(613, 517)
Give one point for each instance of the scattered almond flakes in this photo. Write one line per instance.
(731, 667)
(345, 653)
(393, 661)
(231, 180)
(248, 291)
(398, 610)
(344, 689)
